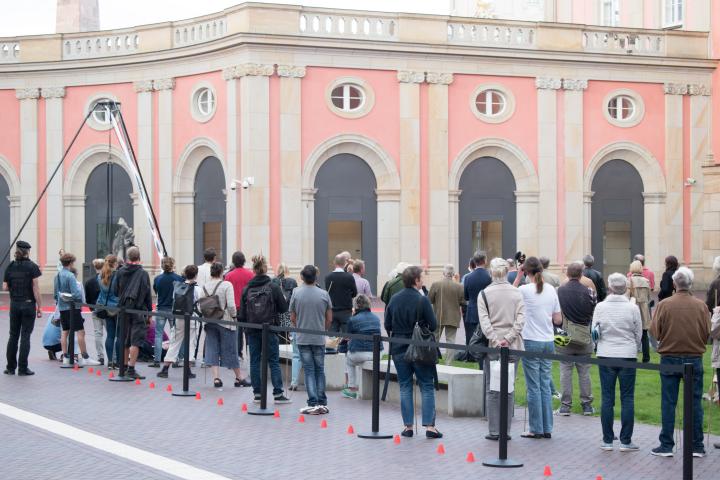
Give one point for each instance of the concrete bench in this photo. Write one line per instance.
(461, 391)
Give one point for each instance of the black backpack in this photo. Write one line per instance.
(260, 306)
(183, 298)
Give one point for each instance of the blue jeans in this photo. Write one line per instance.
(425, 378)
(111, 327)
(159, 329)
(313, 361)
(609, 376)
(669, 387)
(254, 341)
(538, 373)
(295, 375)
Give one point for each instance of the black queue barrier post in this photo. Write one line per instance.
(71, 341)
(186, 362)
(120, 347)
(688, 382)
(375, 428)
(263, 410)
(502, 461)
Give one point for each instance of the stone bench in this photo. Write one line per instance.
(461, 391)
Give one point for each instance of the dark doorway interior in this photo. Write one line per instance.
(346, 214)
(210, 211)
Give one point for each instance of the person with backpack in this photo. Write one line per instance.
(133, 291)
(288, 284)
(107, 279)
(185, 296)
(163, 285)
(262, 302)
(217, 302)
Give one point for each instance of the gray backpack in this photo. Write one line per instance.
(210, 306)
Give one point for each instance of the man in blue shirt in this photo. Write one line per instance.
(475, 282)
(164, 286)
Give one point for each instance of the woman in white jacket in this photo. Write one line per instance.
(715, 358)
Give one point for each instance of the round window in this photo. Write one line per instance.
(100, 112)
(348, 97)
(490, 103)
(621, 107)
(205, 101)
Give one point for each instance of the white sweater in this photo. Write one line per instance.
(226, 295)
(620, 326)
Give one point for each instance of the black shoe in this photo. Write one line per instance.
(151, 365)
(217, 383)
(9, 371)
(25, 373)
(408, 432)
(191, 375)
(176, 365)
(716, 445)
(547, 435)
(102, 361)
(51, 355)
(495, 437)
(163, 373)
(431, 434)
(242, 383)
(132, 373)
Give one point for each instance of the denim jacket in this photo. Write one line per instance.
(107, 295)
(65, 282)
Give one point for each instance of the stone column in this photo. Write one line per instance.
(655, 232)
(74, 238)
(527, 220)
(14, 214)
(388, 218)
(575, 246)
(409, 91)
(233, 159)
(291, 205)
(711, 217)
(454, 230)
(308, 222)
(547, 166)
(439, 227)
(183, 213)
(29, 162)
(144, 153)
(673, 241)
(255, 155)
(54, 149)
(699, 150)
(587, 221)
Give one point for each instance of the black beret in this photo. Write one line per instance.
(23, 244)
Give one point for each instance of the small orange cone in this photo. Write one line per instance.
(301, 419)
(277, 413)
(76, 367)
(599, 477)
(470, 457)
(137, 381)
(350, 430)
(111, 374)
(220, 401)
(441, 449)
(396, 439)
(198, 396)
(90, 370)
(547, 472)
(323, 424)
(244, 407)
(98, 373)
(169, 388)
(152, 384)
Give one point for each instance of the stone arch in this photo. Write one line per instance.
(647, 166)
(85, 163)
(192, 156)
(7, 171)
(381, 163)
(511, 155)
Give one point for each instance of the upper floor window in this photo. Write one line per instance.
(100, 112)
(673, 13)
(348, 97)
(492, 103)
(203, 102)
(623, 108)
(610, 13)
(206, 101)
(100, 118)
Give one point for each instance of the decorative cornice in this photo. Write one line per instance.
(74, 200)
(388, 195)
(438, 78)
(164, 84)
(406, 76)
(308, 194)
(699, 89)
(588, 196)
(548, 83)
(183, 198)
(654, 197)
(454, 196)
(14, 201)
(575, 84)
(290, 71)
(27, 93)
(143, 86)
(53, 92)
(676, 89)
(527, 197)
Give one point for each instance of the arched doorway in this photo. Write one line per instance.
(108, 200)
(346, 213)
(210, 216)
(487, 215)
(617, 215)
(4, 222)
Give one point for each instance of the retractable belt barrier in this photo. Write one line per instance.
(687, 371)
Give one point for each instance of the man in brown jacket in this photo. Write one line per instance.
(681, 326)
(447, 298)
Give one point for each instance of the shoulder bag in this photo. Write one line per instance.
(421, 354)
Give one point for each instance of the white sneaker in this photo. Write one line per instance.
(629, 447)
(66, 360)
(87, 362)
(606, 446)
(307, 410)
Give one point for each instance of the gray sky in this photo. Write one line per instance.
(32, 17)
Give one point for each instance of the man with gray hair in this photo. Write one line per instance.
(548, 277)
(595, 276)
(501, 311)
(447, 298)
(681, 325)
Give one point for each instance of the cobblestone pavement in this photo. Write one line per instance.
(225, 441)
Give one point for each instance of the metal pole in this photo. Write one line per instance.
(71, 340)
(375, 430)
(502, 460)
(688, 421)
(186, 361)
(263, 410)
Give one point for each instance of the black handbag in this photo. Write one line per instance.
(420, 354)
(478, 337)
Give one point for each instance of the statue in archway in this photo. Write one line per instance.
(124, 239)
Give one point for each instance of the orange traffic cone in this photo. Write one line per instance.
(599, 477)
(301, 419)
(220, 401)
(90, 370)
(547, 472)
(137, 381)
(470, 457)
(323, 424)
(169, 388)
(396, 439)
(111, 375)
(277, 413)
(198, 396)
(244, 407)
(441, 449)
(152, 384)
(98, 372)
(350, 430)
(76, 367)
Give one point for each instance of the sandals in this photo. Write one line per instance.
(217, 383)
(532, 435)
(242, 383)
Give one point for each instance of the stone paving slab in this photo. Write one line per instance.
(225, 441)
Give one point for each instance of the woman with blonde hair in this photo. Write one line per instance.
(287, 285)
(639, 292)
(107, 280)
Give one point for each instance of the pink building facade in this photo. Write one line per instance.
(398, 137)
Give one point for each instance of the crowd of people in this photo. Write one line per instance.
(516, 303)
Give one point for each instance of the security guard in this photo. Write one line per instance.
(21, 279)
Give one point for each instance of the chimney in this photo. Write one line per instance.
(77, 16)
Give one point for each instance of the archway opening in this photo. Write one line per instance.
(108, 213)
(487, 214)
(346, 213)
(618, 222)
(210, 212)
(4, 221)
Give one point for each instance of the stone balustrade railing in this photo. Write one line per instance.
(301, 24)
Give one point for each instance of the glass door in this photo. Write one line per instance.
(487, 236)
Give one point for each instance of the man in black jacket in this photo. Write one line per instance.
(341, 287)
(92, 291)
(133, 291)
(595, 276)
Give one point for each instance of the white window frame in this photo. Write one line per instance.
(487, 102)
(94, 122)
(198, 113)
(206, 101)
(673, 13)
(346, 97)
(614, 19)
(508, 108)
(367, 101)
(638, 108)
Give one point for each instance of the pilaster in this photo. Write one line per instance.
(166, 220)
(144, 153)
(53, 153)
(233, 158)
(700, 116)
(28, 98)
(575, 246)
(674, 166)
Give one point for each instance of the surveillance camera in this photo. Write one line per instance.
(245, 184)
(690, 181)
